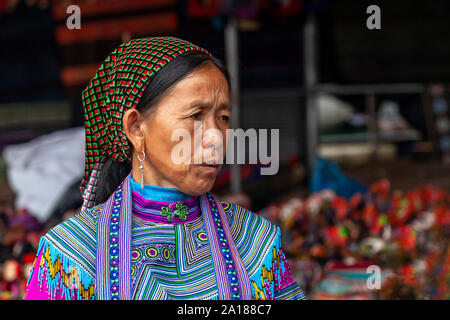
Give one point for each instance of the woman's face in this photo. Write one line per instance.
(200, 101)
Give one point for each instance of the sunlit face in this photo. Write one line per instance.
(203, 98)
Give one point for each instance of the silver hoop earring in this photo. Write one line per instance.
(141, 168)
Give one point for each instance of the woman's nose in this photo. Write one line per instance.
(212, 137)
(211, 134)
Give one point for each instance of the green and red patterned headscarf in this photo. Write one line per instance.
(117, 86)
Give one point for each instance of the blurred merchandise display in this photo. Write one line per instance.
(19, 234)
(332, 241)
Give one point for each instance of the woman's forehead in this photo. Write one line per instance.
(204, 79)
(202, 89)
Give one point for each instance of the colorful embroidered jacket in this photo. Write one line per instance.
(196, 248)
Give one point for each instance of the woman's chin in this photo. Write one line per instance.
(201, 186)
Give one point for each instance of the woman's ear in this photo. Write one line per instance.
(133, 127)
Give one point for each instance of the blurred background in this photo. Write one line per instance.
(363, 116)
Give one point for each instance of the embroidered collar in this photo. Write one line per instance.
(165, 212)
(163, 205)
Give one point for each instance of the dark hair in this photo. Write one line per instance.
(113, 173)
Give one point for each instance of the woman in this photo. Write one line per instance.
(149, 228)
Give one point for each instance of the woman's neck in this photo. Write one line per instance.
(158, 193)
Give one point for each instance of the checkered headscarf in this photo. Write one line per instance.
(117, 86)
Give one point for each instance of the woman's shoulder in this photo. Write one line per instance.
(74, 238)
(81, 225)
(245, 223)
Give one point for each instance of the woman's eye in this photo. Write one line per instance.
(224, 118)
(196, 115)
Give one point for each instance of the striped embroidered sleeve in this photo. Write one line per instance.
(285, 287)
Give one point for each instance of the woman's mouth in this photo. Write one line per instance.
(210, 168)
